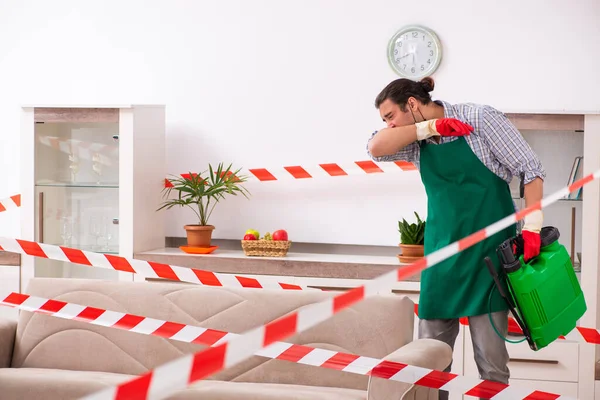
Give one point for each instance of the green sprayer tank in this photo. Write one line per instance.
(544, 291)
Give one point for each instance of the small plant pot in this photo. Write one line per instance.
(199, 235)
(413, 251)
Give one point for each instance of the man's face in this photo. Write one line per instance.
(393, 116)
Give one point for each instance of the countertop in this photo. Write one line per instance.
(8, 258)
(302, 264)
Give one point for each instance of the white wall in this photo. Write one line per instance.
(270, 83)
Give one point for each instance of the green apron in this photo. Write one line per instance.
(463, 196)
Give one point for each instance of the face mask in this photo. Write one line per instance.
(413, 115)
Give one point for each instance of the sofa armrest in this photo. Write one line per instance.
(424, 353)
(8, 330)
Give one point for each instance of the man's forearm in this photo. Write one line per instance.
(391, 140)
(534, 192)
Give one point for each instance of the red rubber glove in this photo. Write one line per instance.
(442, 127)
(531, 245)
(531, 234)
(452, 127)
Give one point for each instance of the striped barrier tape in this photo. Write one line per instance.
(150, 269)
(11, 202)
(91, 150)
(146, 269)
(300, 354)
(295, 172)
(88, 150)
(179, 373)
(330, 170)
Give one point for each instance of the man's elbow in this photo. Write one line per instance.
(375, 150)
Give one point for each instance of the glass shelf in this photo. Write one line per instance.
(79, 185)
(78, 154)
(100, 249)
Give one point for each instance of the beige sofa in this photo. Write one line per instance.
(44, 357)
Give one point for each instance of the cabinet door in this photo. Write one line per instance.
(557, 362)
(76, 191)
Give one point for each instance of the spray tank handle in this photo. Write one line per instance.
(507, 258)
(549, 235)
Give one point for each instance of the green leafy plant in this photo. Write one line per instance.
(413, 233)
(203, 194)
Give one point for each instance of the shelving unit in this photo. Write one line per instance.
(563, 367)
(91, 180)
(590, 277)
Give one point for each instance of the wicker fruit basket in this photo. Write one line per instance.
(266, 248)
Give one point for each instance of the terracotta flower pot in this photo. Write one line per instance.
(412, 250)
(199, 235)
(410, 253)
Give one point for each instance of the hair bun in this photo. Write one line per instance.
(427, 84)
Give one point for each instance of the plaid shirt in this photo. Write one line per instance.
(494, 140)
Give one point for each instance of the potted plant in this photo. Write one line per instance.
(412, 238)
(202, 193)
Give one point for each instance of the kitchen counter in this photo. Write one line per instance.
(300, 264)
(9, 259)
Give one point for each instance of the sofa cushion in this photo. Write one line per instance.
(8, 328)
(374, 328)
(51, 384)
(219, 390)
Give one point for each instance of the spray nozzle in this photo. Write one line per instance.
(507, 253)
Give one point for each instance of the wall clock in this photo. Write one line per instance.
(414, 52)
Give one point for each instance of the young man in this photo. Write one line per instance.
(467, 155)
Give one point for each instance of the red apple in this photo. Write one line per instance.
(280, 235)
(249, 236)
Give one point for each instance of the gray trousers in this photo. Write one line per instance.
(489, 349)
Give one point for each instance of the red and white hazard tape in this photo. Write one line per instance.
(330, 170)
(11, 202)
(150, 269)
(87, 150)
(146, 269)
(279, 350)
(179, 373)
(294, 172)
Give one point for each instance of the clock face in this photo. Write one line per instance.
(414, 52)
